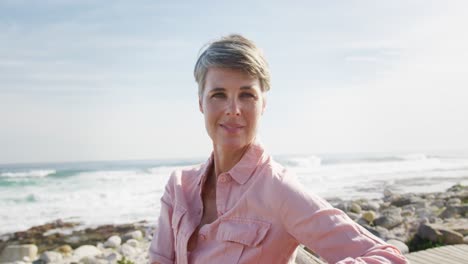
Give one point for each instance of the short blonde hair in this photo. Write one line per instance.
(233, 52)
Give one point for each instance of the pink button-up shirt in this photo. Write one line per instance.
(263, 215)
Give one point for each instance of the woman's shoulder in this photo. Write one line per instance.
(187, 170)
(278, 171)
(275, 176)
(187, 173)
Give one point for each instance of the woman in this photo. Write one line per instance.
(241, 206)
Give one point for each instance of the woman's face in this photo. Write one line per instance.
(232, 103)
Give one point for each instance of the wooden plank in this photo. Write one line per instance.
(446, 254)
(425, 258)
(436, 257)
(420, 257)
(461, 249)
(456, 259)
(304, 257)
(452, 251)
(441, 258)
(455, 254)
(414, 259)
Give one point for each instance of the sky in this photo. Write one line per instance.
(112, 80)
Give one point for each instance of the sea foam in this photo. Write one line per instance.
(28, 173)
(116, 192)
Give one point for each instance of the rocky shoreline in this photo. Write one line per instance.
(69, 242)
(409, 221)
(414, 222)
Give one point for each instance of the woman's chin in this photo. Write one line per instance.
(232, 143)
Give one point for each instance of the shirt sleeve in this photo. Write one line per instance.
(328, 231)
(162, 245)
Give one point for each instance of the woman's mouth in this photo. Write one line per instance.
(232, 128)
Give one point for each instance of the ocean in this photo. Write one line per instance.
(115, 192)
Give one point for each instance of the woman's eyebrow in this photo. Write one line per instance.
(217, 89)
(221, 89)
(247, 87)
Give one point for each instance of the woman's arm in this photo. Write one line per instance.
(329, 232)
(161, 250)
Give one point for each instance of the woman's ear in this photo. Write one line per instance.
(200, 106)
(264, 102)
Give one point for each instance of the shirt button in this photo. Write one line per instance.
(202, 237)
(222, 179)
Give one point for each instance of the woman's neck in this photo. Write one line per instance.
(226, 158)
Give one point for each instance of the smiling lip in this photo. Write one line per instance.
(232, 128)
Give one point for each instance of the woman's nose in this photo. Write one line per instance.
(233, 108)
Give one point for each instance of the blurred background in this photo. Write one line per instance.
(98, 103)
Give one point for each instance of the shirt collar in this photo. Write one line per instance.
(205, 169)
(244, 169)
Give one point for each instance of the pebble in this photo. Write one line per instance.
(400, 245)
(92, 260)
(138, 235)
(390, 218)
(113, 257)
(370, 206)
(401, 201)
(66, 250)
(454, 201)
(438, 203)
(449, 212)
(424, 213)
(86, 251)
(439, 233)
(387, 193)
(343, 206)
(51, 257)
(355, 208)
(369, 216)
(13, 253)
(352, 215)
(113, 242)
(128, 250)
(378, 231)
(133, 242)
(73, 240)
(407, 213)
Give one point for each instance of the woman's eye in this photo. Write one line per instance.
(218, 95)
(247, 95)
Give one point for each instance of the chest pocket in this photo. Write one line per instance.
(242, 238)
